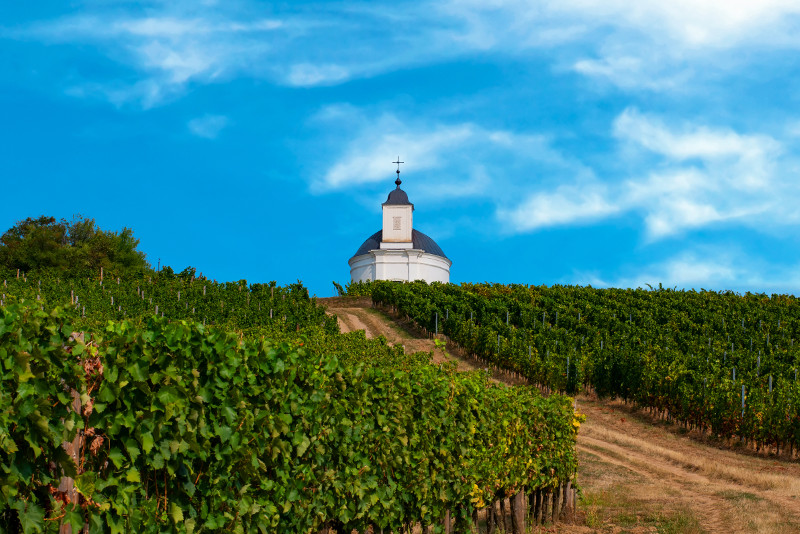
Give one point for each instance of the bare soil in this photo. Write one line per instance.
(638, 473)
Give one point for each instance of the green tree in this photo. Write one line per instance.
(34, 243)
(75, 248)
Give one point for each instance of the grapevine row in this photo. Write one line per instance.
(190, 428)
(722, 362)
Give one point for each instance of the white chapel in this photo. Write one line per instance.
(398, 251)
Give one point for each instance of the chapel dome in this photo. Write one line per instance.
(398, 197)
(419, 241)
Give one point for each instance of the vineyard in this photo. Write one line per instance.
(722, 362)
(191, 406)
(187, 405)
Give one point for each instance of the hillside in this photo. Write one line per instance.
(250, 411)
(666, 447)
(638, 472)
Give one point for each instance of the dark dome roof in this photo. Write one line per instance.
(398, 197)
(419, 241)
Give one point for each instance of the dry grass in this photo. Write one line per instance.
(717, 466)
(617, 503)
(676, 483)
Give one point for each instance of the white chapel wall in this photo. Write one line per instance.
(401, 265)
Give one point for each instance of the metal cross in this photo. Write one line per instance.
(398, 164)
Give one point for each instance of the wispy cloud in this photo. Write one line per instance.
(693, 141)
(704, 175)
(309, 75)
(650, 44)
(208, 126)
(444, 160)
(148, 93)
(703, 267)
(682, 177)
(364, 159)
(691, 270)
(630, 72)
(169, 51)
(176, 45)
(567, 205)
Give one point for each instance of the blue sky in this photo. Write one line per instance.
(604, 142)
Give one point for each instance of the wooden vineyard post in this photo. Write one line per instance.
(512, 512)
(497, 519)
(556, 503)
(501, 514)
(537, 507)
(67, 484)
(573, 502)
(518, 513)
(530, 499)
(447, 529)
(570, 498)
(547, 513)
(541, 515)
(565, 501)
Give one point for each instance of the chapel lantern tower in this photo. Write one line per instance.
(398, 217)
(398, 251)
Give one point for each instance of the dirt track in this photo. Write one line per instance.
(639, 474)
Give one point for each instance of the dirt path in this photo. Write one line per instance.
(638, 473)
(357, 314)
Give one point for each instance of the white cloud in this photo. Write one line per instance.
(680, 176)
(711, 267)
(161, 27)
(208, 126)
(308, 75)
(647, 44)
(169, 51)
(708, 269)
(174, 27)
(147, 92)
(684, 24)
(365, 159)
(691, 272)
(691, 141)
(677, 215)
(693, 23)
(568, 205)
(704, 175)
(179, 64)
(443, 160)
(632, 72)
(683, 177)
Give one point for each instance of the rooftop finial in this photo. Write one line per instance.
(398, 181)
